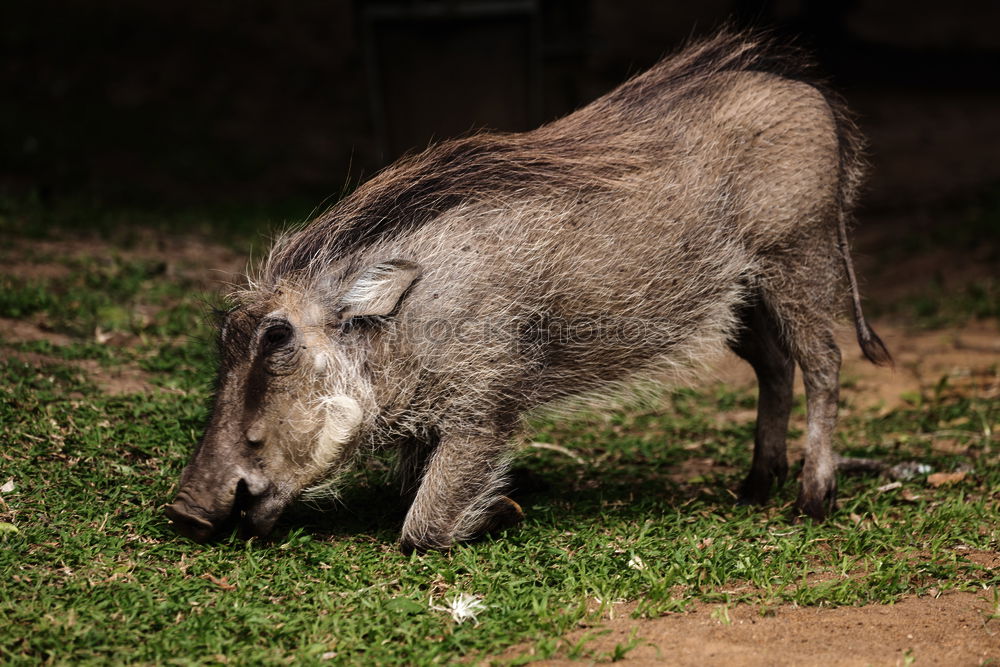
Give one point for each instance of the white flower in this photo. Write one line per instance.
(462, 607)
(636, 563)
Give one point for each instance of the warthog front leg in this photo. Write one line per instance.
(460, 494)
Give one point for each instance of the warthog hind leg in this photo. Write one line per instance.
(759, 343)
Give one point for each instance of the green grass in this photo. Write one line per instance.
(92, 572)
(107, 295)
(938, 307)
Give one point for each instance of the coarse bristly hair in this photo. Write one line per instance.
(702, 204)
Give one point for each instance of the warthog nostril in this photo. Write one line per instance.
(187, 522)
(242, 499)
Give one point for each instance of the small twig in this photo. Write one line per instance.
(850, 464)
(558, 448)
(381, 585)
(942, 434)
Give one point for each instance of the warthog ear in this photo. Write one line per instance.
(379, 289)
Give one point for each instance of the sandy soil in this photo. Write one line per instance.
(952, 629)
(203, 264)
(969, 356)
(116, 381)
(189, 256)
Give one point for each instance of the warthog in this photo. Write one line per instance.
(700, 205)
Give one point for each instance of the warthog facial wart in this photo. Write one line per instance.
(703, 204)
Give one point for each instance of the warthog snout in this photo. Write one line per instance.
(203, 514)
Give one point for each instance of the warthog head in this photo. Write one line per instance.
(293, 398)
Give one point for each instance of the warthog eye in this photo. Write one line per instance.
(275, 337)
(359, 323)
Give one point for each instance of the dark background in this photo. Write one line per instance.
(186, 103)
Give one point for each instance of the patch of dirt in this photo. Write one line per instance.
(192, 257)
(948, 630)
(207, 265)
(988, 559)
(117, 381)
(26, 332)
(969, 357)
(41, 270)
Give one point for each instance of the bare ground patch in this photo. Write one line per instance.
(955, 628)
(117, 381)
(26, 331)
(201, 263)
(191, 257)
(968, 356)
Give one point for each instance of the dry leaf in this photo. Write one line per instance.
(950, 446)
(942, 478)
(221, 583)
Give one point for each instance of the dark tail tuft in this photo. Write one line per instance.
(872, 346)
